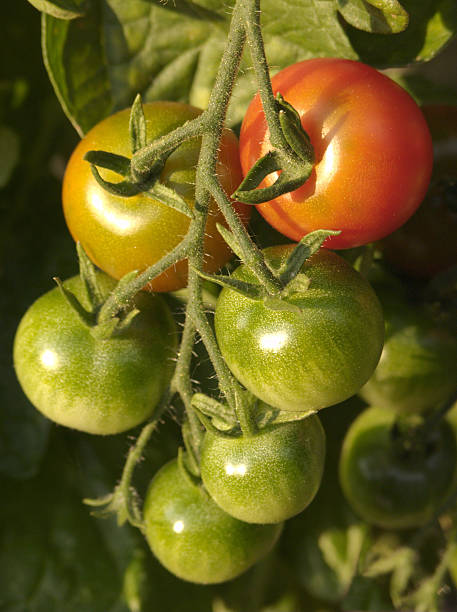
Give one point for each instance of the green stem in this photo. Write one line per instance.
(207, 164)
(181, 382)
(124, 488)
(252, 255)
(113, 304)
(143, 159)
(251, 11)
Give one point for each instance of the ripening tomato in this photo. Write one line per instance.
(373, 152)
(125, 234)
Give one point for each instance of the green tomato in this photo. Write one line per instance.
(100, 386)
(269, 476)
(317, 349)
(192, 537)
(389, 486)
(418, 366)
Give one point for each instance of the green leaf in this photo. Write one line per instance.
(432, 24)
(378, 16)
(9, 153)
(171, 50)
(53, 554)
(61, 9)
(423, 90)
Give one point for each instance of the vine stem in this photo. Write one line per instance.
(182, 384)
(251, 11)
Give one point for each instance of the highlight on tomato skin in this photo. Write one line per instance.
(124, 234)
(372, 146)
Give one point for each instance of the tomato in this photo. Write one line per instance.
(192, 537)
(418, 366)
(101, 386)
(318, 348)
(425, 245)
(391, 488)
(372, 148)
(125, 234)
(269, 476)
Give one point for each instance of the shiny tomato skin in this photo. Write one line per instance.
(193, 538)
(100, 386)
(267, 477)
(314, 356)
(124, 234)
(425, 245)
(372, 147)
(392, 490)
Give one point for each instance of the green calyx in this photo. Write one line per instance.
(295, 161)
(133, 183)
(290, 277)
(218, 419)
(101, 323)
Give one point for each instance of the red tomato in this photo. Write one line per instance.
(372, 148)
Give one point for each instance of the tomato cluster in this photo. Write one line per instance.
(322, 336)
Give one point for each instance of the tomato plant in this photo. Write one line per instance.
(124, 234)
(388, 484)
(267, 477)
(425, 245)
(193, 537)
(151, 193)
(97, 385)
(418, 366)
(373, 153)
(316, 349)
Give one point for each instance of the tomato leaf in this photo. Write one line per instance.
(98, 63)
(61, 9)
(379, 16)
